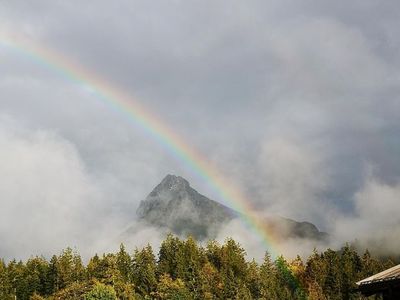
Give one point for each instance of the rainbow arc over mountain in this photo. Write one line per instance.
(129, 107)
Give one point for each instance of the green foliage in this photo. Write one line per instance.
(36, 297)
(288, 286)
(144, 270)
(74, 291)
(168, 257)
(211, 285)
(52, 276)
(168, 288)
(269, 288)
(124, 263)
(233, 268)
(253, 280)
(6, 287)
(69, 268)
(124, 290)
(186, 270)
(101, 292)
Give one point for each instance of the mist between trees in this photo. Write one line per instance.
(183, 269)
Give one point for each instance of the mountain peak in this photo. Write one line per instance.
(169, 184)
(173, 179)
(174, 204)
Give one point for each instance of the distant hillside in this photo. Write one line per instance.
(175, 205)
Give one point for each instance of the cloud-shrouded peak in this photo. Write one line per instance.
(171, 182)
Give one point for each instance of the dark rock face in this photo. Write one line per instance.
(174, 205)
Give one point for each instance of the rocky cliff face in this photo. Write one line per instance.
(175, 206)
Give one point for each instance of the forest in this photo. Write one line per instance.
(184, 269)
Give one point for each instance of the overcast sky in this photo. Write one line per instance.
(295, 102)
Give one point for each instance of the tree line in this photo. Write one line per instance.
(183, 269)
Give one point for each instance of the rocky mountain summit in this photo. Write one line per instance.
(175, 206)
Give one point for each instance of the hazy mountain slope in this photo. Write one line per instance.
(176, 206)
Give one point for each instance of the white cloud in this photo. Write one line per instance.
(376, 222)
(293, 179)
(48, 200)
(256, 245)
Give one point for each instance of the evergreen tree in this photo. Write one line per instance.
(20, 281)
(213, 254)
(186, 270)
(6, 288)
(298, 271)
(211, 282)
(233, 268)
(52, 282)
(108, 269)
(315, 273)
(253, 280)
(168, 256)
(69, 268)
(268, 277)
(36, 275)
(190, 258)
(93, 269)
(370, 266)
(144, 271)
(332, 276)
(124, 264)
(351, 270)
(288, 285)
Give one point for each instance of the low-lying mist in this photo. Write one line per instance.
(49, 200)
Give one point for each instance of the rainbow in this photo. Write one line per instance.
(129, 107)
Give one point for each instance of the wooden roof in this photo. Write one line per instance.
(386, 283)
(387, 275)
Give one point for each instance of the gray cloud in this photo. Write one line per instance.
(47, 195)
(291, 101)
(375, 224)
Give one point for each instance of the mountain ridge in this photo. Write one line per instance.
(174, 205)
